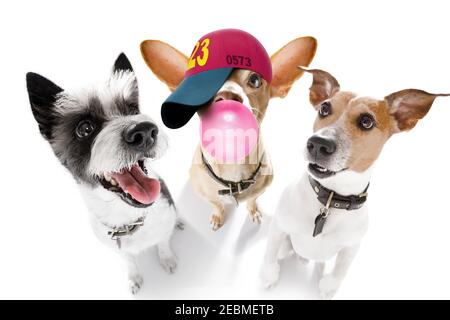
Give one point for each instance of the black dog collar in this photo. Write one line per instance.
(232, 187)
(338, 201)
(331, 199)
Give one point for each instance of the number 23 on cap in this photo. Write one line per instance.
(197, 57)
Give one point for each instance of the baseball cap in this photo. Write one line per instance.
(213, 59)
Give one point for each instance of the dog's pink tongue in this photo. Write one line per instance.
(142, 188)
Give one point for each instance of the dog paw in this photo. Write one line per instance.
(169, 263)
(216, 222)
(270, 275)
(328, 286)
(135, 283)
(256, 216)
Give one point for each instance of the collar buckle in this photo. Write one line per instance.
(118, 232)
(364, 194)
(325, 211)
(230, 190)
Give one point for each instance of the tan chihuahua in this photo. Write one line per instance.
(247, 180)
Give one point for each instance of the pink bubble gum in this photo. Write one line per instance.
(228, 131)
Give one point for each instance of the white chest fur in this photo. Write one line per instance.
(296, 213)
(107, 211)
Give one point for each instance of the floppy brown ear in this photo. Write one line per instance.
(300, 51)
(324, 86)
(409, 106)
(166, 62)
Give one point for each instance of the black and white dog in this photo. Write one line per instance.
(104, 141)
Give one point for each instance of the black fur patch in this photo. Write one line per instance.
(166, 193)
(122, 63)
(73, 152)
(128, 107)
(43, 94)
(58, 125)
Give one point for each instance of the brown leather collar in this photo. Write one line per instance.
(338, 201)
(232, 187)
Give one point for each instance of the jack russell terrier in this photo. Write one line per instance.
(104, 141)
(323, 214)
(227, 64)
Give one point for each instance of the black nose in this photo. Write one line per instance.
(141, 136)
(321, 148)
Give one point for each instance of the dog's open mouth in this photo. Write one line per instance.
(321, 172)
(133, 185)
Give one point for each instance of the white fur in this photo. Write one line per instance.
(108, 155)
(338, 160)
(294, 221)
(121, 84)
(108, 210)
(104, 214)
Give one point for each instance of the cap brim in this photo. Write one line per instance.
(192, 93)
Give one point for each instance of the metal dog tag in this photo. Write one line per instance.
(116, 238)
(322, 217)
(319, 223)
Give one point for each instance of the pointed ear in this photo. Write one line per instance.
(324, 86)
(131, 89)
(300, 51)
(43, 95)
(122, 64)
(166, 62)
(409, 106)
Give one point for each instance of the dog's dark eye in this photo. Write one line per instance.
(84, 129)
(325, 109)
(255, 81)
(366, 121)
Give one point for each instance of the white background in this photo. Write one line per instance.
(47, 249)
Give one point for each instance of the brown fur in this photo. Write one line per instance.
(365, 145)
(171, 63)
(164, 59)
(399, 111)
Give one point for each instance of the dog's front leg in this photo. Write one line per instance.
(253, 210)
(167, 258)
(218, 216)
(135, 278)
(330, 283)
(270, 272)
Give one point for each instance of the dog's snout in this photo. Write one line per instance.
(228, 95)
(320, 147)
(141, 136)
